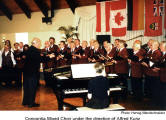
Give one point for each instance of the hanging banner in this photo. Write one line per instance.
(154, 10)
(102, 16)
(135, 14)
(118, 19)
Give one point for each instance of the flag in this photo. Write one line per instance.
(135, 14)
(118, 18)
(102, 16)
(154, 10)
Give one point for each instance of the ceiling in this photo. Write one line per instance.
(10, 7)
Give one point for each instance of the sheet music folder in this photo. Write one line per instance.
(84, 71)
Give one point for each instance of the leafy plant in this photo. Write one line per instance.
(68, 31)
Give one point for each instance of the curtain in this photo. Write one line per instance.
(85, 21)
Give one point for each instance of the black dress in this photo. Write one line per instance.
(98, 87)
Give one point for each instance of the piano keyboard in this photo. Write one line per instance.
(115, 89)
(74, 91)
(84, 90)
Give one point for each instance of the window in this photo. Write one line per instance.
(22, 37)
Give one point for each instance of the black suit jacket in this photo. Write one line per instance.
(32, 61)
(98, 87)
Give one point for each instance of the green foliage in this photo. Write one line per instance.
(68, 31)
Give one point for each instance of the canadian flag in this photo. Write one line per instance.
(103, 16)
(118, 18)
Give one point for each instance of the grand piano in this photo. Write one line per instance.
(65, 86)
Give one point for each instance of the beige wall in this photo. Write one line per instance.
(34, 26)
(63, 17)
(8, 36)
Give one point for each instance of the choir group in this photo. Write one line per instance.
(141, 63)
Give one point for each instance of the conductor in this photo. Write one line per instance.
(31, 74)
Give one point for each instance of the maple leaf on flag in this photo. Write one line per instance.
(119, 18)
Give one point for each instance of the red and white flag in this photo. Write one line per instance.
(118, 18)
(103, 16)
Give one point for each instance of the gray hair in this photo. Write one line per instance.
(99, 67)
(35, 40)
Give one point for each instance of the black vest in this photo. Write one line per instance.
(7, 60)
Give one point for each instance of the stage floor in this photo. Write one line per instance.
(11, 99)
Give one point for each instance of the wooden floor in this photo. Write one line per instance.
(11, 99)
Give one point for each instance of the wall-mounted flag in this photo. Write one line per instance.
(154, 10)
(103, 16)
(118, 18)
(135, 14)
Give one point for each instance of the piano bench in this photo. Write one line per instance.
(112, 107)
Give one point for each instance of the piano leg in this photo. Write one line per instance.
(59, 100)
(115, 99)
(84, 100)
(114, 96)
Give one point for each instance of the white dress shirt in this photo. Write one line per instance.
(121, 49)
(135, 52)
(62, 49)
(51, 46)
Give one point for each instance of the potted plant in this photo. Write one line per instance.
(69, 32)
